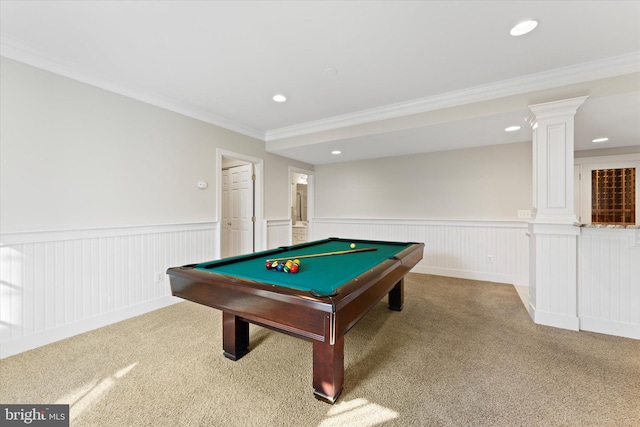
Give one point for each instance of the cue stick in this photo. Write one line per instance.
(351, 251)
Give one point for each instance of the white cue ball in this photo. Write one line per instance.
(353, 245)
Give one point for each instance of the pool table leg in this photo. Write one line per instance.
(235, 336)
(396, 296)
(328, 369)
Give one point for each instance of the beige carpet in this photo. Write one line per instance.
(461, 353)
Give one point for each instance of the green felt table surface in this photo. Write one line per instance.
(320, 275)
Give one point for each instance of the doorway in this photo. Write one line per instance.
(300, 198)
(239, 204)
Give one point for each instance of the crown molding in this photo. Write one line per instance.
(609, 67)
(12, 49)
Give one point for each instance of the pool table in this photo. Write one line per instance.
(321, 302)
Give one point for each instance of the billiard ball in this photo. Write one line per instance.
(353, 245)
(293, 268)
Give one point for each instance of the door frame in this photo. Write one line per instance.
(259, 238)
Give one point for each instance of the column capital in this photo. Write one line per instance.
(556, 108)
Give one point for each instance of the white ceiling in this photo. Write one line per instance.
(371, 79)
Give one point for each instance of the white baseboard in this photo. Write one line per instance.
(626, 330)
(556, 320)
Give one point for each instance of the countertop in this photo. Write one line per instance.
(612, 226)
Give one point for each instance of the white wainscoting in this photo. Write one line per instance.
(61, 283)
(278, 233)
(609, 281)
(553, 268)
(495, 251)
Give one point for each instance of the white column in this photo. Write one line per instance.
(553, 160)
(553, 230)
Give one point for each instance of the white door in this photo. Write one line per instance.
(239, 211)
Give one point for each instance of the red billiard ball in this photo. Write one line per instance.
(293, 268)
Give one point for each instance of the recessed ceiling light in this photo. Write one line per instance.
(597, 140)
(524, 27)
(512, 128)
(336, 152)
(279, 98)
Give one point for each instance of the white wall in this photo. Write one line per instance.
(74, 156)
(487, 183)
(462, 204)
(98, 198)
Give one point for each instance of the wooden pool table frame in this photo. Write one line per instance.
(323, 320)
